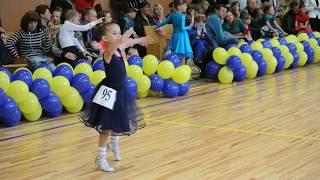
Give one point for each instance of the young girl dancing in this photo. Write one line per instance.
(111, 112)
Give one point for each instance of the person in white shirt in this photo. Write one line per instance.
(67, 39)
(313, 6)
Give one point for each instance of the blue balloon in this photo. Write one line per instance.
(41, 88)
(53, 114)
(7, 72)
(292, 48)
(246, 48)
(212, 69)
(295, 61)
(318, 40)
(43, 66)
(234, 62)
(230, 46)
(174, 58)
(131, 87)
(171, 89)
(276, 52)
(262, 68)
(257, 56)
(10, 115)
(87, 95)
(266, 44)
(65, 71)
(240, 73)
(23, 75)
(281, 63)
(282, 41)
(135, 60)
(98, 65)
(251, 41)
(305, 44)
(51, 103)
(183, 89)
(310, 53)
(311, 35)
(81, 82)
(2, 96)
(157, 83)
(83, 61)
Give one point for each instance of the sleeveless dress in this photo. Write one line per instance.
(125, 118)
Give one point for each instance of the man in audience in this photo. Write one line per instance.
(288, 23)
(256, 18)
(214, 28)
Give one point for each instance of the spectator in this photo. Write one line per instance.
(157, 12)
(313, 7)
(55, 23)
(246, 19)
(235, 9)
(4, 54)
(214, 28)
(127, 21)
(256, 18)
(117, 6)
(302, 20)
(290, 18)
(31, 42)
(64, 4)
(198, 39)
(234, 26)
(271, 27)
(45, 15)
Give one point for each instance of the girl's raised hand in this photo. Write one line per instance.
(144, 41)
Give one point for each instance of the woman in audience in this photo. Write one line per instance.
(235, 9)
(31, 42)
(234, 26)
(157, 12)
(45, 15)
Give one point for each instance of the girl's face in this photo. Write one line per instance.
(229, 17)
(271, 11)
(32, 26)
(183, 8)
(108, 18)
(146, 10)
(46, 15)
(303, 10)
(236, 7)
(56, 17)
(113, 34)
(131, 15)
(158, 11)
(247, 21)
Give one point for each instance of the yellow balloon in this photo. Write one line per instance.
(134, 72)
(18, 90)
(30, 104)
(97, 77)
(36, 115)
(154, 94)
(267, 54)
(234, 51)
(126, 64)
(303, 57)
(317, 34)
(142, 95)
(300, 47)
(181, 74)
(246, 59)
(317, 54)
(143, 83)
(4, 81)
(225, 75)
(22, 68)
(165, 69)
(313, 43)
(271, 65)
(42, 73)
(284, 50)
(77, 108)
(260, 40)
(83, 68)
(60, 85)
(291, 38)
(252, 70)
(289, 60)
(150, 64)
(302, 36)
(275, 43)
(241, 43)
(71, 98)
(257, 46)
(220, 55)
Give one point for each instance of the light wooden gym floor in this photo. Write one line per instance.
(266, 128)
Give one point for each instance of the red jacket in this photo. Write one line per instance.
(82, 4)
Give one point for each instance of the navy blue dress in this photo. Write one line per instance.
(126, 117)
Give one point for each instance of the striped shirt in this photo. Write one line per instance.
(28, 44)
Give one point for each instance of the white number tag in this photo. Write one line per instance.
(105, 97)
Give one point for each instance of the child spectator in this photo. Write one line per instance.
(45, 16)
(246, 19)
(198, 39)
(271, 27)
(127, 21)
(302, 20)
(55, 23)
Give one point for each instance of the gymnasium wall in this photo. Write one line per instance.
(11, 11)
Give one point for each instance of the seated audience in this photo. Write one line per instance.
(198, 39)
(271, 27)
(234, 26)
(289, 19)
(302, 20)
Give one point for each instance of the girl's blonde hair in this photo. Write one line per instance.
(155, 6)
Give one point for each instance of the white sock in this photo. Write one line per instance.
(102, 153)
(115, 139)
